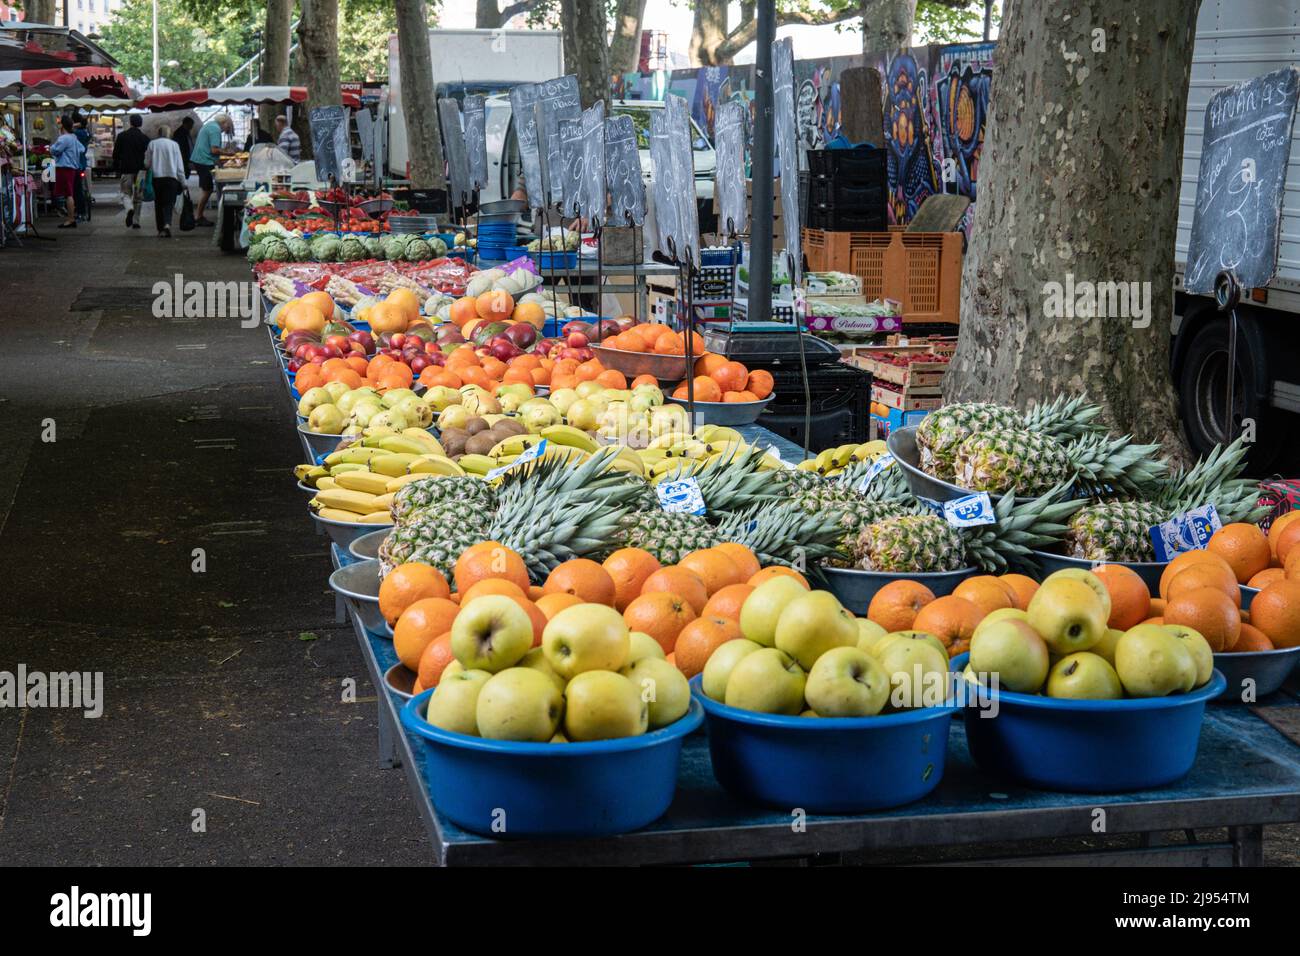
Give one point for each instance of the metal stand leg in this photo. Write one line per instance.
(389, 757)
(1247, 845)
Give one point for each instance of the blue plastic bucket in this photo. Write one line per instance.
(827, 764)
(591, 789)
(1089, 746)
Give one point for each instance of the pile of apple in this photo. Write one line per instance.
(336, 409)
(591, 678)
(1060, 646)
(804, 654)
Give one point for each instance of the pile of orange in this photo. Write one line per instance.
(466, 367)
(495, 306)
(570, 373)
(655, 338)
(718, 379)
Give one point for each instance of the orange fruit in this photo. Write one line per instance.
(1158, 605)
(1184, 560)
(1279, 525)
(699, 639)
(1244, 547)
(1209, 611)
(760, 383)
(587, 371)
(987, 593)
(715, 569)
(1130, 598)
(495, 306)
(463, 310)
(405, 300)
(1276, 611)
(709, 362)
(584, 578)
(1022, 586)
(707, 390)
(535, 592)
(644, 380)
(408, 583)
(536, 615)
(743, 558)
(1205, 575)
(629, 568)
(949, 618)
(529, 312)
(324, 302)
(612, 378)
(489, 559)
(1292, 565)
(493, 586)
(775, 570)
(662, 615)
(1252, 639)
(1286, 540)
(745, 396)
(1266, 577)
(681, 581)
(553, 604)
(895, 606)
(728, 601)
(434, 660)
(419, 625)
(730, 376)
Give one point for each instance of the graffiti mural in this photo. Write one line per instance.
(962, 80)
(912, 173)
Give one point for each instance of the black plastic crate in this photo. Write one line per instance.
(835, 220)
(864, 164)
(841, 405)
(845, 197)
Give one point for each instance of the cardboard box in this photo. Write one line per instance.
(883, 424)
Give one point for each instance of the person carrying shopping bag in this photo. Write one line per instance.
(128, 157)
(163, 159)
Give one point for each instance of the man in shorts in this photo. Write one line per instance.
(207, 148)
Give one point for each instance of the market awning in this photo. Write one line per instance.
(77, 81)
(36, 46)
(235, 96)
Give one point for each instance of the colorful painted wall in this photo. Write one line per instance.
(935, 108)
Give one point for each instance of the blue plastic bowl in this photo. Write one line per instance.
(1089, 746)
(600, 788)
(826, 764)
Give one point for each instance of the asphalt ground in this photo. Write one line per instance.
(128, 442)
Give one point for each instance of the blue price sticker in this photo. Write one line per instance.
(970, 511)
(1190, 531)
(682, 495)
(876, 467)
(528, 454)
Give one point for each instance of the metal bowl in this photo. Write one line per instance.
(1268, 669)
(374, 207)
(902, 445)
(359, 585)
(666, 368)
(400, 681)
(1148, 571)
(366, 547)
(343, 533)
(309, 489)
(726, 413)
(855, 588)
(1247, 595)
(289, 205)
(319, 444)
(501, 209)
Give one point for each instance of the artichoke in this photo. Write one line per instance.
(275, 249)
(325, 248)
(437, 248)
(417, 250)
(373, 250)
(299, 249)
(351, 249)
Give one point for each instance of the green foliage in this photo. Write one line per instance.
(207, 42)
(938, 22)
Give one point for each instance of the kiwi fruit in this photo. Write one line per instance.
(454, 441)
(480, 444)
(475, 425)
(507, 427)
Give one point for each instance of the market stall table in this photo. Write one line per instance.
(1246, 776)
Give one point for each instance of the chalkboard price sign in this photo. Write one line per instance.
(453, 138)
(1244, 156)
(567, 174)
(593, 164)
(676, 219)
(523, 99)
(476, 141)
(556, 100)
(623, 172)
(729, 133)
(329, 141)
(786, 140)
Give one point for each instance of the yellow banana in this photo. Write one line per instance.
(375, 435)
(395, 484)
(715, 434)
(771, 463)
(426, 465)
(384, 501)
(808, 464)
(476, 464)
(401, 445)
(425, 438)
(513, 446)
(326, 483)
(376, 517)
(347, 466)
(337, 514)
(354, 454)
(358, 502)
(363, 481)
(568, 435)
(390, 466)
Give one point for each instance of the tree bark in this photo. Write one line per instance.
(1080, 182)
(39, 11)
(487, 16)
(590, 49)
(887, 25)
(318, 36)
(275, 55)
(301, 126)
(424, 141)
(708, 32)
(713, 45)
(625, 47)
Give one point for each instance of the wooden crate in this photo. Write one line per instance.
(918, 373)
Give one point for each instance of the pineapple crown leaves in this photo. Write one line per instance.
(1108, 465)
(1063, 417)
(784, 533)
(888, 485)
(732, 482)
(1018, 529)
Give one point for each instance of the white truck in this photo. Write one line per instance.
(1238, 40)
(472, 61)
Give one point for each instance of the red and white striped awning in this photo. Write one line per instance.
(77, 81)
(234, 96)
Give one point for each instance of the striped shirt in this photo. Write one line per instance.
(290, 143)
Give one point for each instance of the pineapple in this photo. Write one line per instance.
(1120, 530)
(785, 533)
(668, 535)
(886, 497)
(942, 431)
(927, 543)
(418, 495)
(1002, 458)
(434, 535)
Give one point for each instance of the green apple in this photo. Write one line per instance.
(1105, 648)
(1202, 653)
(1152, 662)
(869, 632)
(930, 639)
(918, 674)
(518, 703)
(1068, 614)
(1088, 578)
(768, 681)
(1011, 649)
(847, 682)
(812, 624)
(326, 420)
(1084, 676)
(642, 645)
(536, 660)
(491, 633)
(585, 637)
(662, 686)
(762, 609)
(717, 669)
(451, 670)
(600, 705)
(312, 399)
(454, 704)
(1001, 614)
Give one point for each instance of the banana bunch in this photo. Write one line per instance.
(379, 464)
(357, 507)
(564, 443)
(834, 460)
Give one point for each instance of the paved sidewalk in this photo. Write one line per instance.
(222, 690)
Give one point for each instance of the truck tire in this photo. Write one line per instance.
(1202, 387)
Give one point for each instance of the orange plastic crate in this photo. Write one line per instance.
(922, 270)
